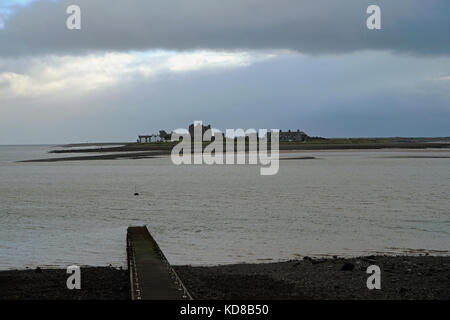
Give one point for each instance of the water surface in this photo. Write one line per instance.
(342, 203)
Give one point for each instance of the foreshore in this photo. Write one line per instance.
(97, 283)
(402, 277)
(125, 155)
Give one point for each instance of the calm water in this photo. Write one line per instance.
(343, 203)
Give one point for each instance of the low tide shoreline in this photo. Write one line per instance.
(167, 147)
(402, 277)
(152, 150)
(162, 153)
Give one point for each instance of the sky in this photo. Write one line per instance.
(137, 66)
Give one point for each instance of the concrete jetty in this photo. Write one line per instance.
(151, 276)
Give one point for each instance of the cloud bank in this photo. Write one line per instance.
(362, 94)
(313, 27)
(69, 75)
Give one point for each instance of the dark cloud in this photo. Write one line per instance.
(313, 27)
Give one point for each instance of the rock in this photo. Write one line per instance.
(348, 267)
(307, 258)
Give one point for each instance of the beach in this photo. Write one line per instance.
(402, 277)
(97, 283)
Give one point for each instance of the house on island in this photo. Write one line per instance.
(293, 136)
(204, 128)
(163, 136)
(290, 136)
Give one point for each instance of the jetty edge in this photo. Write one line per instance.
(151, 275)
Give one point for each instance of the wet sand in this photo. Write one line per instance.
(115, 156)
(403, 277)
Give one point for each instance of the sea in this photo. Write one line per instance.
(343, 203)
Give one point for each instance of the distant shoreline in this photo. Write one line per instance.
(152, 150)
(290, 146)
(130, 155)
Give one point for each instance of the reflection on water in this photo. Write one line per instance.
(342, 203)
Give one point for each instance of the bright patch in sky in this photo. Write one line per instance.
(50, 75)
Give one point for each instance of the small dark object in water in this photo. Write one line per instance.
(136, 194)
(38, 270)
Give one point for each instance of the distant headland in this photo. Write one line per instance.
(153, 145)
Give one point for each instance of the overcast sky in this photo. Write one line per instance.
(138, 66)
